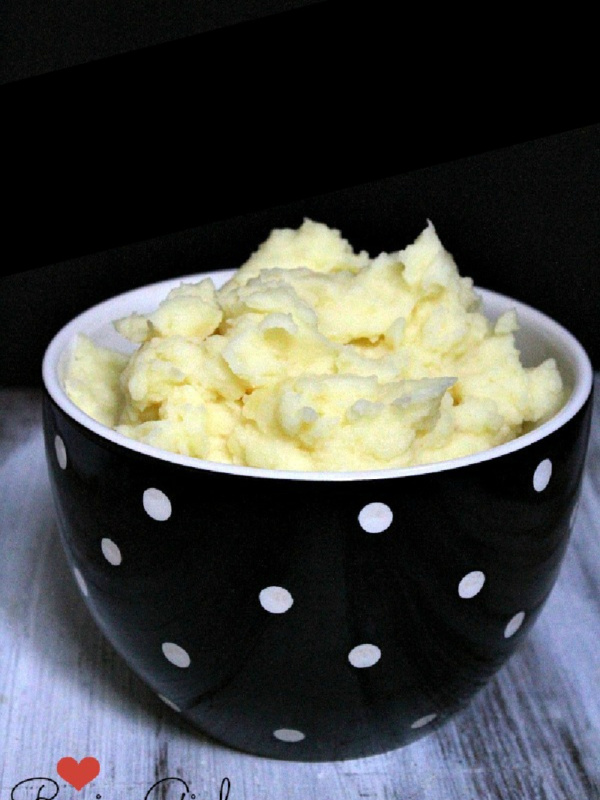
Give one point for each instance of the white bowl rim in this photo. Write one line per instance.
(581, 391)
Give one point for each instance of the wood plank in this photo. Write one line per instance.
(532, 734)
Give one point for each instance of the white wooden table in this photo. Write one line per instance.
(532, 734)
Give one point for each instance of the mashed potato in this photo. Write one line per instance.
(315, 357)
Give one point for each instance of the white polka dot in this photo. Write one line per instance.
(157, 505)
(364, 655)
(375, 517)
(275, 599)
(514, 624)
(420, 723)
(542, 474)
(471, 584)
(61, 452)
(176, 654)
(288, 735)
(111, 552)
(80, 582)
(169, 703)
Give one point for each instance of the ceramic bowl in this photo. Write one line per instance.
(315, 616)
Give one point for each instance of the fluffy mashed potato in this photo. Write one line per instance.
(315, 357)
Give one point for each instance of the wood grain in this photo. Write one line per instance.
(532, 734)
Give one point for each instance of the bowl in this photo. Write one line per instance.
(315, 616)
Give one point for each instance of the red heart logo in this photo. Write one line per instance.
(78, 774)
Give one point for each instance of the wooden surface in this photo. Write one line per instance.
(532, 734)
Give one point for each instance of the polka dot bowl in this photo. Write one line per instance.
(315, 616)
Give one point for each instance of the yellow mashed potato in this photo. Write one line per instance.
(315, 357)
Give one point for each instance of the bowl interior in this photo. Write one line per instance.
(539, 337)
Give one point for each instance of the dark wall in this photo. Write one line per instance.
(181, 156)
(42, 36)
(523, 220)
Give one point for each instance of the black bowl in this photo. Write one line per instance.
(315, 616)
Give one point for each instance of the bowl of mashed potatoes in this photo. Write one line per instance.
(317, 501)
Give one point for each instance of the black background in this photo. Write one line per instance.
(149, 144)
